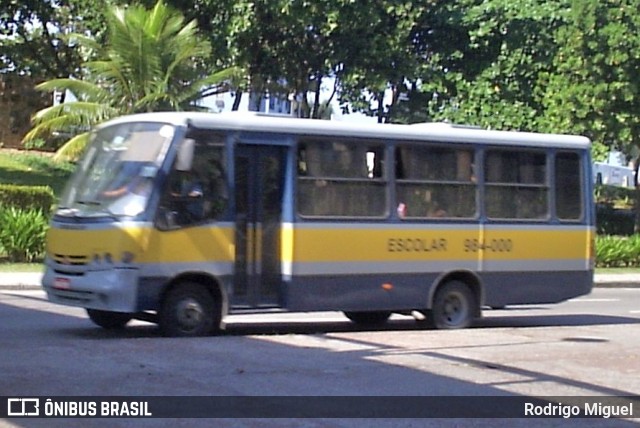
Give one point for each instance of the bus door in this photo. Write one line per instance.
(259, 188)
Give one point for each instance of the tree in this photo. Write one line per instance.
(594, 87)
(483, 60)
(152, 61)
(32, 34)
(287, 47)
(295, 47)
(33, 49)
(380, 58)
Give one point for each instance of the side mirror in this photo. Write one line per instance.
(166, 219)
(185, 155)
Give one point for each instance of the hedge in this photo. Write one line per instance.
(27, 198)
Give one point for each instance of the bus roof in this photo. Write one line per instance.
(441, 132)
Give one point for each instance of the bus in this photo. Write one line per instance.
(613, 175)
(185, 218)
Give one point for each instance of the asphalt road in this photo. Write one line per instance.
(584, 347)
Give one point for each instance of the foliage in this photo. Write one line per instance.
(297, 48)
(288, 47)
(485, 59)
(563, 66)
(618, 251)
(616, 210)
(27, 197)
(385, 58)
(594, 88)
(32, 35)
(31, 169)
(35, 144)
(614, 221)
(615, 196)
(152, 61)
(22, 234)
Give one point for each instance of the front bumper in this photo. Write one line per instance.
(112, 289)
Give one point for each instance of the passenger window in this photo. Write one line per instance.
(568, 186)
(340, 178)
(435, 182)
(516, 184)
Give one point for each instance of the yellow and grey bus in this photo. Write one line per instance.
(185, 218)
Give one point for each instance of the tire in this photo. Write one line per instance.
(109, 320)
(368, 318)
(454, 306)
(189, 310)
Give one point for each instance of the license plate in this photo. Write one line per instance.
(62, 283)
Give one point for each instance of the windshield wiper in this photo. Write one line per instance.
(103, 209)
(93, 203)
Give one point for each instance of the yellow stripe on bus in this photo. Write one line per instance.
(199, 244)
(340, 244)
(326, 245)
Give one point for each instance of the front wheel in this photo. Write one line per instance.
(454, 306)
(189, 310)
(109, 320)
(368, 318)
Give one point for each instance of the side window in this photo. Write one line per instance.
(516, 184)
(200, 194)
(435, 182)
(341, 179)
(568, 186)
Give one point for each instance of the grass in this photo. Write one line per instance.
(21, 267)
(618, 270)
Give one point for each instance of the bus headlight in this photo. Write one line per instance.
(127, 257)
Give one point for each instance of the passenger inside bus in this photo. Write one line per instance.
(198, 194)
(128, 193)
(436, 210)
(187, 194)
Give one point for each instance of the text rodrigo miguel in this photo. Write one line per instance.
(588, 409)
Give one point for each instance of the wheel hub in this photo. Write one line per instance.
(190, 314)
(454, 309)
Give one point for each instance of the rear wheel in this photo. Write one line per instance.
(454, 306)
(109, 320)
(188, 310)
(368, 318)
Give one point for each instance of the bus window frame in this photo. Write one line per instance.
(473, 179)
(545, 185)
(384, 180)
(581, 181)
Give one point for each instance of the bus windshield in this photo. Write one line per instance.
(116, 174)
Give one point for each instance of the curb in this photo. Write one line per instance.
(32, 281)
(20, 281)
(620, 280)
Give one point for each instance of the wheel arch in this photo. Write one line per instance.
(469, 278)
(212, 284)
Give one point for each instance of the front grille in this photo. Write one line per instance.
(70, 260)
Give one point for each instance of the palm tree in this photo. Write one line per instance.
(152, 61)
